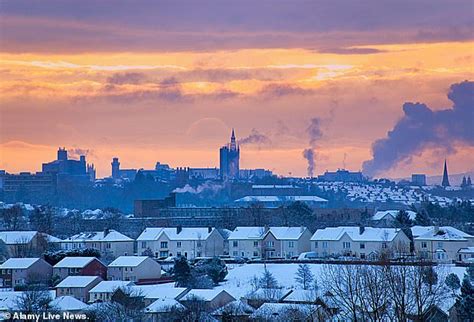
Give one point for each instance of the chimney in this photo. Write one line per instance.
(106, 232)
(435, 229)
(179, 229)
(361, 230)
(209, 229)
(266, 229)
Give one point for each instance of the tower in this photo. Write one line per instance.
(115, 168)
(229, 156)
(62, 154)
(445, 182)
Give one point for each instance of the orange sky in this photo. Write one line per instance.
(177, 106)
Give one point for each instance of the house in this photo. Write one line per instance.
(27, 243)
(386, 218)
(109, 242)
(286, 242)
(246, 242)
(466, 255)
(77, 286)
(134, 268)
(21, 271)
(162, 310)
(361, 242)
(103, 291)
(187, 242)
(84, 266)
(287, 312)
(68, 304)
(441, 244)
(238, 310)
(211, 299)
(151, 293)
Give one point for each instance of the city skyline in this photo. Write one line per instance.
(167, 82)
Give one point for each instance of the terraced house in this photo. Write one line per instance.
(361, 242)
(187, 242)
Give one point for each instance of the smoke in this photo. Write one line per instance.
(314, 132)
(207, 187)
(421, 127)
(77, 152)
(256, 138)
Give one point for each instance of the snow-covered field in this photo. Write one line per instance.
(238, 281)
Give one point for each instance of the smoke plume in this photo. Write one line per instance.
(256, 138)
(314, 132)
(421, 127)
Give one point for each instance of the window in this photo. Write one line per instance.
(164, 244)
(290, 254)
(255, 244)
(384, 245)
(198, 243)
(346, 245)
(424, 245)
(178, 253)
(178, 244)
(235, 243)
(316, 244)
(164, 253)
(440, 244)
(243, 254)
(143, 244)
(291, 244)
(362, 245)
(270, 243)
(362, 255)
(108, 245)
(235, 253)
(325, 244)
(255, 254)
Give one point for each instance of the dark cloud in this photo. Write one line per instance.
(421, 127)
(82, 26)
(127, 78)
(256, 138)
(279, 90)
(350, 50)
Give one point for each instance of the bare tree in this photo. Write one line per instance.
(34, 300)
(373, 294)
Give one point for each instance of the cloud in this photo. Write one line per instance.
(421, 127)
(256, 138)
(126, 78)
(279, 90)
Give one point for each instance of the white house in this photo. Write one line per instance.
(286, 242)
(246, 242)
(134, 268)
(386, 218)
(109, 242)
(362, 242)
(77, 286)
(26, 243)
(441, 244)
(187, 242)
(105, 289)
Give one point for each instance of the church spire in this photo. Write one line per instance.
(233, 144)
(445, 182)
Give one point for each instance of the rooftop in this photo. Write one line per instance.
(379, 215)
(186, 233)
(205, 295)
(99, 236)
(18, 263)
(439, 233)
(77, 281)
(110, 286)
(128, 261)
(68, 303)
(163, 305)
(247, 233)
(74, 262)
(368, 234)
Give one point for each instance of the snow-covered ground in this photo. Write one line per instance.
(238, 281)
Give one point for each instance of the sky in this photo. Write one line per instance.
(167, 81)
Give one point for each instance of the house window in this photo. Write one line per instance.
(143, 244)
(315, 244)
(198, 254)
(424, 245)
(384, 245)
(255, 244)
(291, 244)
(346, 245)
(290, 254)
(164, 244)
(270, 243)
(178, 253)
(235, 243)
(164, 253)
(178, 244)
(440, 244)
(362, 246)
(325, 244)
(362, 255)
(255, 254)
(235, 253)
(108, 245)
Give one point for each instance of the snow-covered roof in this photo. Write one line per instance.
(467, 250)
(18, 263)
(68, 303)
(17, 237)
(270, 294)
(299, 295)
(99, 236)
(273, 186)
(110, 286)
(163, 305)
(439, 233)
(379, 215)
(185, 233)
(287, 233)
(74, 262)
(204, 295)
(281, 199)
(237, 308)
(159, 291)
(77, 281)
(128, 261)
(368, 234)
(247, 233)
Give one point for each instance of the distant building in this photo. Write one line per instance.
(134, 268)
(115, 168)
(418, 179)
(91, 172)
(27, 182)
(278, 201)
(229, 159)
(118, 173)
(276, 190)
(248, 174)
(23, 271)
(342, 175)
(204, 173)
(445, 182)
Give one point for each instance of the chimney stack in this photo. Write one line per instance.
(361, 229)
(209, 229)
(179, 229)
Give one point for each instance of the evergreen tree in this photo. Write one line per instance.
(181, 271)
(452, 282)
(470, 272)
(465, 302)
(304, 276)
(402, 219)
(422, 219)
(267, 280)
